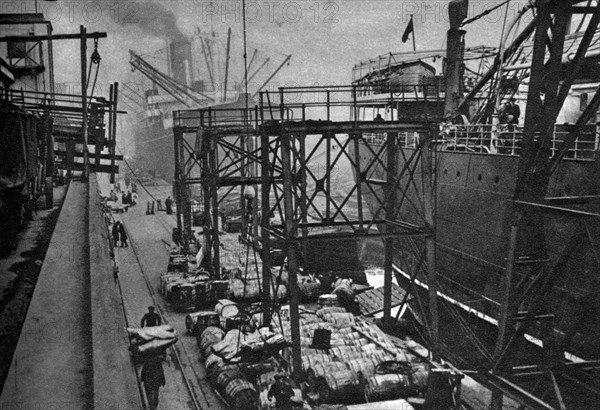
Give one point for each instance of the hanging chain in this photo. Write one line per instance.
(96, 55)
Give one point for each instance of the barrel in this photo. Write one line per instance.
(205, 320)
(312, 360)
(242, 394)
(328, 300)
(212, 365)
(364, 368)
(338, 387)
(340, 351)
(320, 369)
(226, 308)
(226, 375)
(208, 338)
(387, 386)
(309, 291)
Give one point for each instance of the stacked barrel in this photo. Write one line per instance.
(354, 367)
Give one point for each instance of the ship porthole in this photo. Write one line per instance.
(497, 179)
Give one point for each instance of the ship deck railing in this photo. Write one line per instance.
(499, 140)
(505, 139)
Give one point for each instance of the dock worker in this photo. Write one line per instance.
(378, 118)
(115, 233)
(169, 205)
(282, 391)
(153, 378)
(151, 318)
(123, 235)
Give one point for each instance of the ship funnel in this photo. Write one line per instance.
(457, 12)
(181, 61)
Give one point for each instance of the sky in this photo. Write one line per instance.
(325, 38)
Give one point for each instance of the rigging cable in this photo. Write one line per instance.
(484, 13)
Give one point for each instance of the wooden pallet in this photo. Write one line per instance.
(371, 301)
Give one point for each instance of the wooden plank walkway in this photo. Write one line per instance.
(371, 301)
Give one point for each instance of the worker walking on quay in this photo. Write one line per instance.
(283, 393)
(153, 378)
(115, 233)
(169, 205)
(151, 318)
(123, 235)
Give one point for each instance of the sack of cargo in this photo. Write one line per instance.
(208, 338)
(230, 345)
(309, 291)
(345, 293)
(153, 346)
(151, 332)
(226, 308)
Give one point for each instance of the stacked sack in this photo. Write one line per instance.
(150, 341)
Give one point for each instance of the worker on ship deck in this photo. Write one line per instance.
(511, 114)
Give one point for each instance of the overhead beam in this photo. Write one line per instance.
(29, 39)
(80, 155)
(22, 18)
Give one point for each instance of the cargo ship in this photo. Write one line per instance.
(479, 185)
(199, 74)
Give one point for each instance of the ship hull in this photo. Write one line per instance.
(473, 219)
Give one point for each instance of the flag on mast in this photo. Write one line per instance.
(409, 29)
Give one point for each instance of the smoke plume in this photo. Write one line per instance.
(156, 19)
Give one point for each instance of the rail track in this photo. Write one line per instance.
(183, 356)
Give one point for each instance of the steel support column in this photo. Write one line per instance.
(265, 221)
(289, 231)
(390, 212)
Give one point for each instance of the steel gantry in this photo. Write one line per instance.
(304, 198)
(297, 159)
